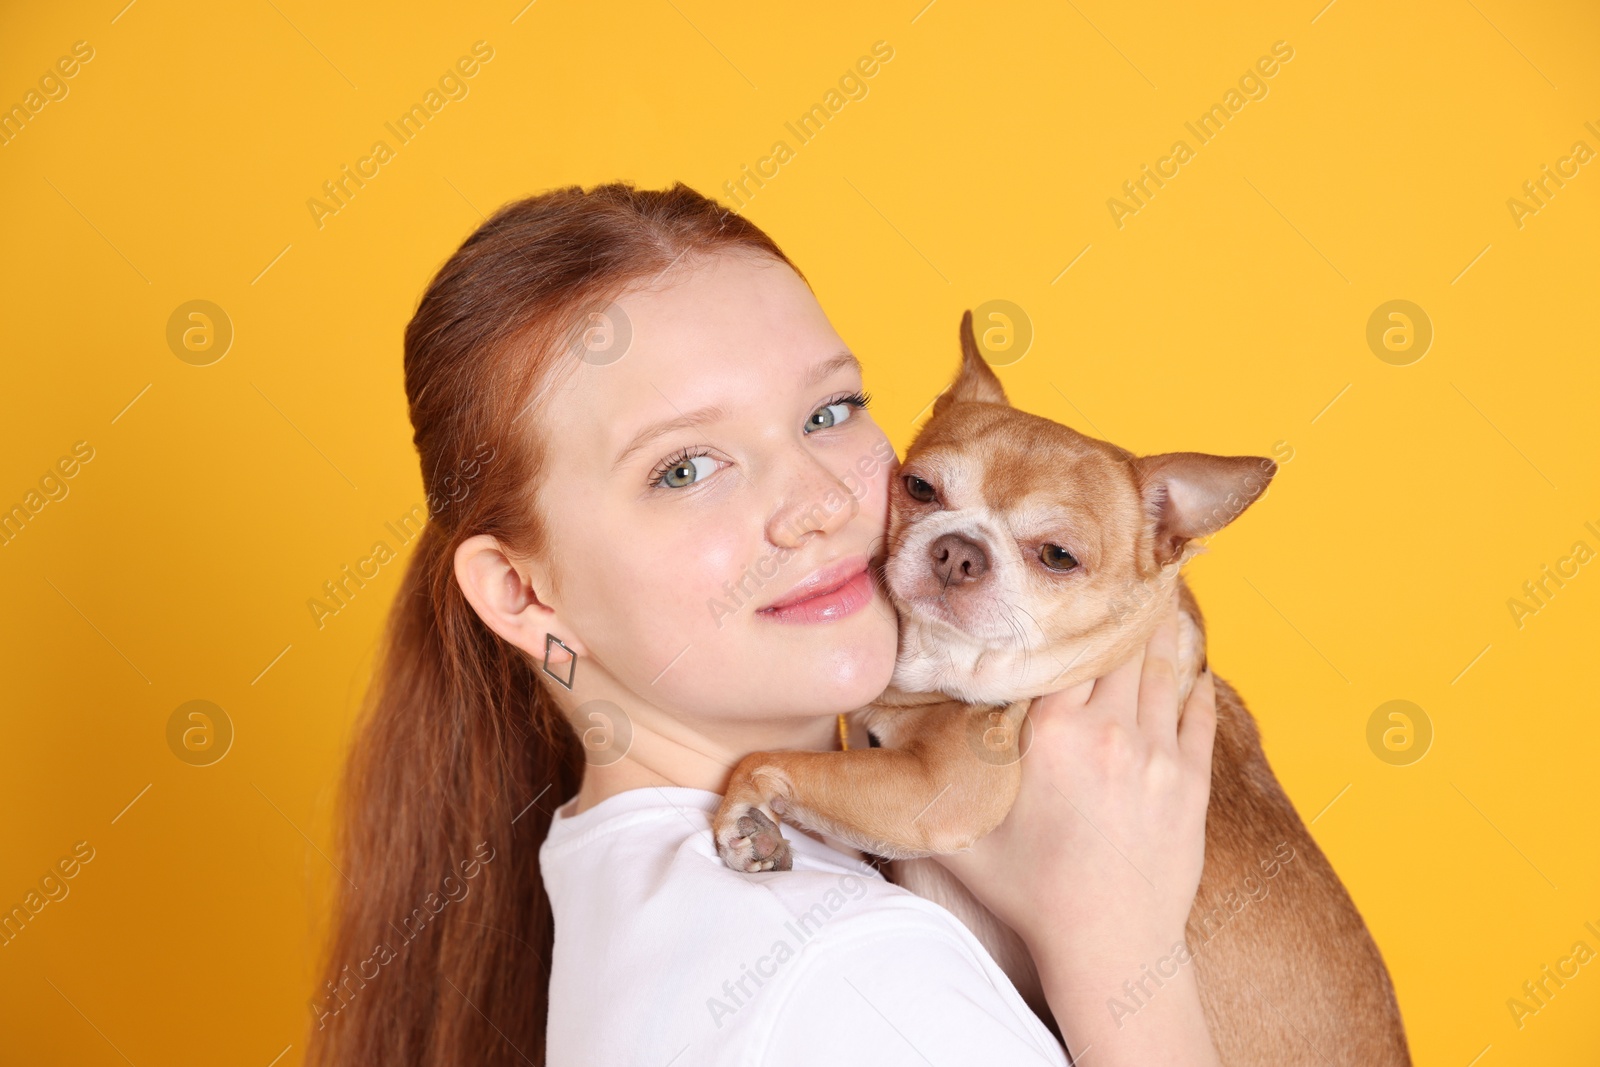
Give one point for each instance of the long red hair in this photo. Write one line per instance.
(442, 955)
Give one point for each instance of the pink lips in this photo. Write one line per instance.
(831, 593)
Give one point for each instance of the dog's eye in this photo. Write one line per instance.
(1057, 558)
(919, 489)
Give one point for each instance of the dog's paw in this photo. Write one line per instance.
(750, 841)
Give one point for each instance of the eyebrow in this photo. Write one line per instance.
(713, 412)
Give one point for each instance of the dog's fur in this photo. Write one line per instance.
(1288, 973)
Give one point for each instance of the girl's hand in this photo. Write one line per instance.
(1097, 864)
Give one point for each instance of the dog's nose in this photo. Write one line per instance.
(957, 559)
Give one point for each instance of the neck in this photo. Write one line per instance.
(689, 757)
(661, 751)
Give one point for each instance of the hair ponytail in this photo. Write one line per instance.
(447, 908)
(441, 947)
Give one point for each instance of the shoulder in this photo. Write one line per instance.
(903, 983)
(663, 951)
(642, 866)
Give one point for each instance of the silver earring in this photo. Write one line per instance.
(572, 663)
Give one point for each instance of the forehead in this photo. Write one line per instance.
(723, 329)
(1039, 477)
(996, 456)
(732, 295)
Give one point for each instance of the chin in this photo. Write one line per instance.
(938, 654)
(859, 670)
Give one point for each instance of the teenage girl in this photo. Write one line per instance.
(656, 494)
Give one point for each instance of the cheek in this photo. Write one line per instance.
(703, 568)
(654, 592)
(878, 477)
(882, 482)
(1105, 604)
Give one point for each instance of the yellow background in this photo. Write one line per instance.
(1228, 315)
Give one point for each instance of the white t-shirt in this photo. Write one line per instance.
(664, 957)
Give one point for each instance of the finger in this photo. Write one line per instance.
(1158, 682)
(1197, 730)
(1074, 696)
(1116, 693)
(1063, 705)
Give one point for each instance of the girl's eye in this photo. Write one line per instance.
(683, 470)
(836, 411)
(686, 467)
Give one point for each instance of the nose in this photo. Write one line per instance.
(817, 500)
(957, 559)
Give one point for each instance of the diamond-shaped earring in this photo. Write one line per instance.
(572, 662)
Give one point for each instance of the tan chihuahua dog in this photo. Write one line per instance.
(1026, 558)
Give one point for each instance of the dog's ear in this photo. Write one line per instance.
(976, 380)
(1191, 494)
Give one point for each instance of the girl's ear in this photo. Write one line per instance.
(976, 380)
(506, 599)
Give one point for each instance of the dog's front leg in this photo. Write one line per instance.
(952, 780)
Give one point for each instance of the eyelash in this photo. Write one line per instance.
(857, 400)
